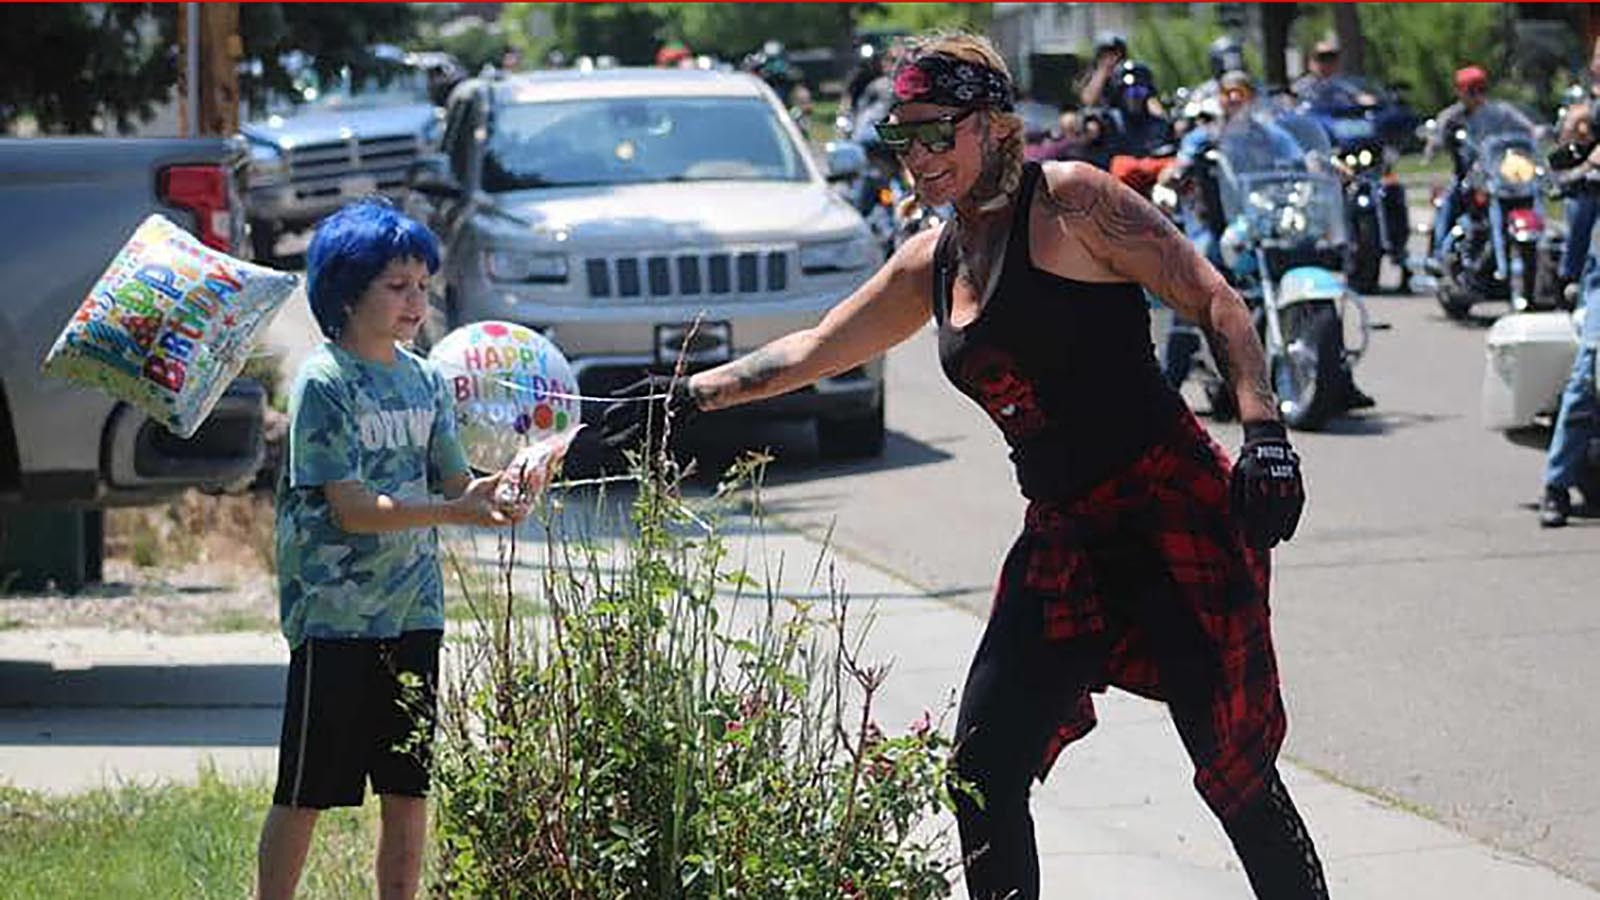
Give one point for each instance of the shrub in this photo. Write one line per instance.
(634, 743)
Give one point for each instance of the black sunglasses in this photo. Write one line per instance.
(938, 135)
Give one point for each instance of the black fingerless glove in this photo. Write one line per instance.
(1267, 491)
(632, 417)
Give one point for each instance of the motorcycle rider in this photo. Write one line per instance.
(1472, 91)
(869, 68)
(1102, 88)
(1204, 223)
(1140, 128)
(1223, 56)
(1324, 74)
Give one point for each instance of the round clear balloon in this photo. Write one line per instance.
(168, 325)
(512, 387)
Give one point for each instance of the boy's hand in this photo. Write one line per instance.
(477, 505)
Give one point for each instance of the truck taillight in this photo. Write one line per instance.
(202, 190)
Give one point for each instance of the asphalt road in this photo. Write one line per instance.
(1436, 644)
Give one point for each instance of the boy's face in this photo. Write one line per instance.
(394, 303)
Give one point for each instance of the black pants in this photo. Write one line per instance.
(1015, 698)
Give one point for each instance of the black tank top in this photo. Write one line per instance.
(1065, 368)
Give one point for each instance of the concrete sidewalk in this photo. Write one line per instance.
(1118, 818)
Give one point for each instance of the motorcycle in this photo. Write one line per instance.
(1375, 205)
(879, 193)
(1284, 245)
(1492, 251)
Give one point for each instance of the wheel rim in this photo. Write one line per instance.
(1296, 377)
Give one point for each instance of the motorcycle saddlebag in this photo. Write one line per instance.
(1529, 356)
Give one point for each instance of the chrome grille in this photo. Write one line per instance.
(639, 278)
(317, 170)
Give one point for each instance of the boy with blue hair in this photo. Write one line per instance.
(373, 466)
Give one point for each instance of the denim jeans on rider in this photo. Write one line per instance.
(1579, 420)
(1444, 217)
(1581, 212)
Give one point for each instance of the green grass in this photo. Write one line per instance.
(236, 620)
(822, 116)
(170, 841)
(1412, 166)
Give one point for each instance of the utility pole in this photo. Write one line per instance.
(211, 48)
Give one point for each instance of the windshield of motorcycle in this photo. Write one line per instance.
(1341, 94)
(1510, 162)
(1286, 207)
(1260, 142)
(1498, 119)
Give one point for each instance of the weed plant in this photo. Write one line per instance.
(672, 727)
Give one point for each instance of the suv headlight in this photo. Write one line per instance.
(526, 266)
(846, 255)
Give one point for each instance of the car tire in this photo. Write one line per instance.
(858, 437)
(263, 241)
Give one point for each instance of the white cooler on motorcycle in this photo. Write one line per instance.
(1529, 356)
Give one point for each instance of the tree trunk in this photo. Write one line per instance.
(1352, 43)
(844, 48)
(220, 50)
(1276, 19)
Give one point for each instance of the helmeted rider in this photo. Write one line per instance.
(1223, 56)
(1101, 87)
(1472, 92)
(1141, 129)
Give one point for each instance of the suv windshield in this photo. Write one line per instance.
(636, 140)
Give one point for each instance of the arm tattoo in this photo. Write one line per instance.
(1236, 365)
(1118, 223)
(743, 379)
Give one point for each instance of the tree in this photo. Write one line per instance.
(98, 67)
(1352, 41)
(85, 68)
(1276, 20)
(335, 36)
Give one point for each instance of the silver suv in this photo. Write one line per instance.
(611, 209)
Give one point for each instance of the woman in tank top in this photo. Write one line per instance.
(1143, 560)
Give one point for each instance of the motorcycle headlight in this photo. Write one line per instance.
(847, 255)
(526, 266)
(1364, 157)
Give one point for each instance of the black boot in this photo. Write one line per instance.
(1555, 507)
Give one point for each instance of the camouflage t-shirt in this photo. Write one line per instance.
(391, 427)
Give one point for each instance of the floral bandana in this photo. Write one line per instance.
(944, 80)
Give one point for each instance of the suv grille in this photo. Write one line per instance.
(316, 170)
(639, 278)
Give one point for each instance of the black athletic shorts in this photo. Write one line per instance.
(347, 719)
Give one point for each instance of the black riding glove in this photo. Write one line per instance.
(1267, 491)
(631, 418)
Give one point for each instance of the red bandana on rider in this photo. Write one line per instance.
(944, 80)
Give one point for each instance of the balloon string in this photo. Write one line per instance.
(515, 386)
(506, 383)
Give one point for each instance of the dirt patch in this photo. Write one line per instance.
(200, 563)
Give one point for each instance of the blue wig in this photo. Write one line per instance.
(351, 248)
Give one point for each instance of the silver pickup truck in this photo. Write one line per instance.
(66, 205)
(345, 139)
